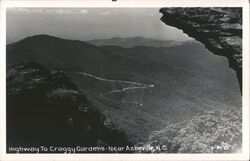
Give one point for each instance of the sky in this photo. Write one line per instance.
(89, 23)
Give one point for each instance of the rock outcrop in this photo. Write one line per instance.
(45, 108)
(219, 29)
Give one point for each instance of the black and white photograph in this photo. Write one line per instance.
(153, 80)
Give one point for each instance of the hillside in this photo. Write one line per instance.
(46, 108)
(211, 132)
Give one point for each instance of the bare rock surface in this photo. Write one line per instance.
(219, 29)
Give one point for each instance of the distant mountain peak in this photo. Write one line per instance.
(42, 36)
(45, 40)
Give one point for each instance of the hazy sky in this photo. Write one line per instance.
(89, 23)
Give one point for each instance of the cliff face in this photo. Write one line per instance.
(219, 29)
(46, 108)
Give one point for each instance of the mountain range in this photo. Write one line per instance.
(139, 88)
(136, 41)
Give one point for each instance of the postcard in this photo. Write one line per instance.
(124, 80)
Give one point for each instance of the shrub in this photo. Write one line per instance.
(211, 132)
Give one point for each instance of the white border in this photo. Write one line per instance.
(128, 3)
